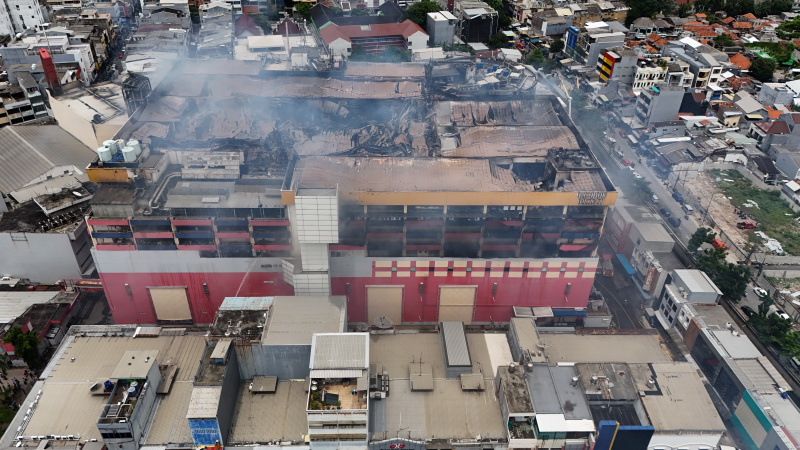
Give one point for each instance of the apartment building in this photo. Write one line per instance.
(585, 44)
(67, 56)
(17, 16)
(658, 104)
(706, 63)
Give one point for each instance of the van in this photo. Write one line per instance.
(655, 199)
(688, 209)
(795, 363)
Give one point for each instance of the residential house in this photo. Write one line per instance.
(441, 27)
(789, 164)
(340, 40)
(775, 94)
(686, 287)
(617, 63)
(763, 167)
(477, 21)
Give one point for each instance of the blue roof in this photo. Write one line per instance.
(568, 312)
(625, 264)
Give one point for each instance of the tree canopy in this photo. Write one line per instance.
(647, 8)
(740, 7)
(701, 236)
(418, 12)
(304, 9)
(557, 45)
(499, 40)
(768, 7)
(723, 40)
(763, 69)
(26, 345)
(359, 12)
(730, 278)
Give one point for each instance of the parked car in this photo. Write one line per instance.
(674, 221)
(678, 197)
(745, 225)
(782, 315)
(637, 176)
(719, 244)
(626, 162)
(760, 292)
(665, 212)
(622, 134)
(748, 311)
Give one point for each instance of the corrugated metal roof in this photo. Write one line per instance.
(14, 303)
(30, 151)
(246, 303)
(340, 351)
(455, 344)
(336, 373)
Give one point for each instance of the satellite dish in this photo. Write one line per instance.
(383, 322)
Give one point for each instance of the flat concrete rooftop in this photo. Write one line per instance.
(604, 348)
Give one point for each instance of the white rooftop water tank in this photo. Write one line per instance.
(111, 146)
(136, 146)
(104, 154)
(128, 154)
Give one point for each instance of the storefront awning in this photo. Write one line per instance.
(572, 247)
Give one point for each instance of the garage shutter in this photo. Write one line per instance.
(171, 303)
(456, 303)
(385, 301)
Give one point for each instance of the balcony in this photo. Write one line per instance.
(112, 234)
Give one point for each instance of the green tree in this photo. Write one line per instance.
(557, 45)
(701, 236)
(642, 186)
(763, 69)
(359, 12)
(771, 329)
(26, 345)
(646, 8)
(768, 7)
(499, 40)
(684, 9)
(497, 5)
(763, 307)
(418, 12)
(535, 56)
(263, 22)
(740, 7)
(723, 40)
(336, 11)
(791, 344)
(304, 9)
(731, 279)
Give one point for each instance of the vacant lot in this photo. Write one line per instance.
(773, 215)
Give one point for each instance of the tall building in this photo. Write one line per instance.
(441, 212)
(17, 16)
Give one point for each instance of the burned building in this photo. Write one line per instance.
(418, 202)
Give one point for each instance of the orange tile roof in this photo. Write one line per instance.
(700, 15)
(728, 20)
(750, 16)
(693, 23)
(652, 49)
(772, 112)
(705, 33)
(741, 61)
(653, 37)
(742, 25)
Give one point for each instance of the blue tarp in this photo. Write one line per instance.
(625, 264)
(569, 312)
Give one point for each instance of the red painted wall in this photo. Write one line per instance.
(137, 307)
(520, 290)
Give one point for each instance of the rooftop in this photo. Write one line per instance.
(696, 281)
(293, 320)
(53, 147)
(679, 400)
(67, 406)
(134, 364)
(13, 304)
(279, 416)
(604, 348)
(447, 411)
(340, 351)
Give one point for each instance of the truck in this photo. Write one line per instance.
(606, 265)
(678, 197)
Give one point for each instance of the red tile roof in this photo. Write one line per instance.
(750, 16)
(728, 20)
(742, 25)
(700, 15)
(772, 112)
(776, 127)
(246, 23)
(706, 33)
(741, 61)
(332, 32)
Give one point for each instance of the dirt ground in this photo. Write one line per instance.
(704, 188)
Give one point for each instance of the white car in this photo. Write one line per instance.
(760, 292)
(637, 176)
